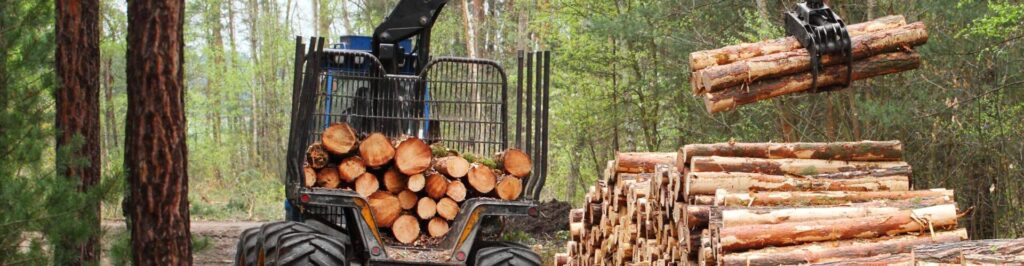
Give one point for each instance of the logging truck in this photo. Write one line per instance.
(363, 111)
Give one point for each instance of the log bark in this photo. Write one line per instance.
(481, 178)
(718, 78)
(742, 238)
(351, 168)
(316, 156)
(723, 198)
(452, 166)
(447, 208)
(367, 184)
(874, 66)
(395, 181)
(755, 216)
(706, 183)
(799, 167)
(437, 227)
(515, 162)
(406, 229)
(376, 150)
(900, 259)
(416, 182)
(437, 186)
(456, 191)
(845, 249)
(999, 250)
(309, 176)
(426, 208)
(328, 178)
(641, 162)
(413, 156)
(407, 199)
(509, 188)
(385, 208)
(704, 59)
(882, 172)
(339, 138)
(839, 151)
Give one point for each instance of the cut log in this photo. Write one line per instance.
(845, 249)
(742, 238)
(1002, 251)
(394, 181)
(706, 183)
(328, 178)
(416, 182)
(456, 191)
(437, 227)
(367, 184)
(376, 150)
(426, 208)
(509, 188)
(799, 167)
(839, 151)
(309, 176)
(481, 178)
(413, 156)
(316, 157)
(447, 208)
(641, 162)
(704, 59)
(406, 229)
(351, 168)
(901, 259)
(452, 166)
(718, 78)
(385, 207)
(437, 186)
(407, 199)
(753, 216)
(723, 198)
(515, 162)
(878, 65)
(339, 138)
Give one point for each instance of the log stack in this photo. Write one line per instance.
(412, 189)
(746, 73)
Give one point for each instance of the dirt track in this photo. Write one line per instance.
(223, 235)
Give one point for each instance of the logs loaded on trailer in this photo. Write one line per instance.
(410, 189)
(741, 74)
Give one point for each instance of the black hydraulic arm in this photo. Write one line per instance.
(821, 31)
(410, 18)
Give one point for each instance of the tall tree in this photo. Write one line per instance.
(155, 152)
(78, 114)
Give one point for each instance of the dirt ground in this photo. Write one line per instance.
(222, 236)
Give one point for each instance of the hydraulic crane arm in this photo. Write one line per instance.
(410, 18)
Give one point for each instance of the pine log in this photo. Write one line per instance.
(706, 183)
(406, 229)
(447, 208)
(385, 208)
(870, 67)
(376, 150)
(1002, 250)
(576, 230)
(725, 55)
(413, 156)
(351, 168)
(900, 259)
(328, 178)
(367, 184)
(426, 208)
(838, 151)
(844, 249)
(514, 162)
(697, 216)
(754, 216)
(339, 138)
(723, 198)
(437, 186)
(316, 156)
(742, 238)
(456, 191)
(452, 166)
(309, 176)
(407, 199)
(509, 188)
(437, 227)
(416, 182)
(799, 167)
(481, 178)
(641, 162)
(394, 180)
(718, 78)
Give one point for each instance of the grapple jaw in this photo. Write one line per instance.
(822, 32)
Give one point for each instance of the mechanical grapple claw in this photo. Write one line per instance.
(822, 32)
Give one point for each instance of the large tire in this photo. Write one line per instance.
(270, 235)
(506, 254)
(248, 247)
(310, 249)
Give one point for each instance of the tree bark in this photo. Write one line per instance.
(845, 249)
(339, 138)
(756, 216)
(515, 162)
(1004, 251)
(798, 167)
(413, 156)
(447, 208)
(723, 198)
(878, 65)
(385, 208)
(706, 183)
(156, 155)
(840, 151)
(642, 162)
(884, 259)
(481, 178)
(78, 116)
(406, 229)
(722, 77)
(452, 166)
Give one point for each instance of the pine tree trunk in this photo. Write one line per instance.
(706, 183)
(156, 155)
(642, 162)
(723, 198)
(798, 167)
(839, 151)
(996, 251)
(846, 249)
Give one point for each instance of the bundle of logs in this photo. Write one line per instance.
(746, 73)
(413, 188)
(768, 204)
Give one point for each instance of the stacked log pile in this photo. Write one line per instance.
(746, 73)
(413, 189)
